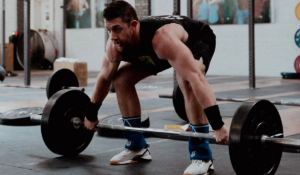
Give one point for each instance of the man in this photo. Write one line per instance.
(149, 46)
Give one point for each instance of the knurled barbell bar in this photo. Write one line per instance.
(178, 102)
(255, 137)
(58, 80)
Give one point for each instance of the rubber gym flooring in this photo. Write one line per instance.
(24, 152)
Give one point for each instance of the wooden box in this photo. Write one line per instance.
(9, 56)
(79, 68)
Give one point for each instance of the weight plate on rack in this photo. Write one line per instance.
(59, 79)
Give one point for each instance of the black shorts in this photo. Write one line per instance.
(202, 45)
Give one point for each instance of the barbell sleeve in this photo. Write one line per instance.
(286, 143)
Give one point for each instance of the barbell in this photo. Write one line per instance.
(58, 80)
(255, 138)
(178, 102)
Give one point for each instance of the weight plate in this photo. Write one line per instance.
(59, 79)
(117, 120)
(178, 103)
(20, 117)
(252, 120)
(60, 136)
(297, 64)
(2, 74)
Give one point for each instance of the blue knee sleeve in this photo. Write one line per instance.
(136, 140)
(199, 147)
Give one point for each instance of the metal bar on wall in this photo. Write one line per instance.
(3, 36)
(190, 8)
(27, 61)
(64, 28)
(149, 8)
(251, 45)
(176, 11)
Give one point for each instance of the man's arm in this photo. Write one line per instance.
(110, 64)
(168, 43)
(109, 68)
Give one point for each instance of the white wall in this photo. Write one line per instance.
(275, 46)
(10, 18)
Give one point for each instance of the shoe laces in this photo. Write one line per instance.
(197, 162)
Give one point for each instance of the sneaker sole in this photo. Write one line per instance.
(210, 169)
(145, 158)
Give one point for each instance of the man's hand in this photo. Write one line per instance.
(222, 136)
(90, 125)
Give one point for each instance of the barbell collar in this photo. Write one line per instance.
(76, 88)
(36, 118)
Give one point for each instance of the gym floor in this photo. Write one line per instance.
(24, 152)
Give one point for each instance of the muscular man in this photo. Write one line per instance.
(149, 46)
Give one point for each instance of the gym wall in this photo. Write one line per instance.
(274, 42)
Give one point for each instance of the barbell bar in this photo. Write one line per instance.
(179, 106)
(240, 100)
(265, 140)
(255, 136)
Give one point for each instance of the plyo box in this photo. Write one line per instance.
(79, 68)
(9, 56)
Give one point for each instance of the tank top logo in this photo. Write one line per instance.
(147, 60)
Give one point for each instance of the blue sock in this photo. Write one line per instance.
(199, 147)
(135, 140)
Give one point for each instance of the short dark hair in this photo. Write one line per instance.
(121, 9)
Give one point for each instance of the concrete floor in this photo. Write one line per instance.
(24, 152)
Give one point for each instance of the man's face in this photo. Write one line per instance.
(121, 35)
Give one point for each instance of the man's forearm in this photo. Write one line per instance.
(202, 91)
(101, 90)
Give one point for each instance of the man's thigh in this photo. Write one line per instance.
(131, 73)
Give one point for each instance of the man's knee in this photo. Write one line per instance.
(121, 80)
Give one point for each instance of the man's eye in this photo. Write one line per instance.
(118, 30)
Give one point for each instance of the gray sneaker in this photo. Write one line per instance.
(128, 156)
(199, 167)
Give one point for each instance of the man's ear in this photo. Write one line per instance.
(134, 23)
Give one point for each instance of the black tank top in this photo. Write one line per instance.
(145, 54)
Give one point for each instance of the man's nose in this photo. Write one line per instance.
(113, 36)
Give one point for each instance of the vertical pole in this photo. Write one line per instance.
(64, 28)
(26, 44)
(149, 7)
(251, 46)
(176, 11)
(189, 8)
(3, 55)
